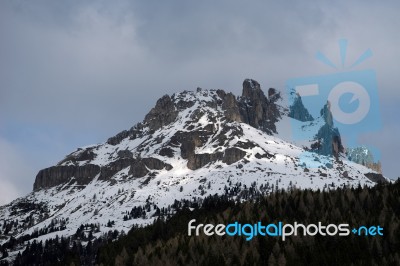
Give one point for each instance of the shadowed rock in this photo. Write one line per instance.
(57, 175)
(256, 109)
(298, 111)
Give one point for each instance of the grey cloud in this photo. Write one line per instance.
(93, 68)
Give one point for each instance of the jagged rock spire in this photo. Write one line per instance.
(328, 137)
(298, 111)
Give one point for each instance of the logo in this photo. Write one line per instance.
(350, 96)
(249, 231)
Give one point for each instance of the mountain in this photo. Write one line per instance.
(362, 155)
(189, 146)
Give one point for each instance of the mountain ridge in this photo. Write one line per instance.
(189, 146)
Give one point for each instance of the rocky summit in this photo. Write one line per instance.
(190, 145)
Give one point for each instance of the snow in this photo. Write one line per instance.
(102, 201)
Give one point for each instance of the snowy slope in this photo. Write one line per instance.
(259, 160)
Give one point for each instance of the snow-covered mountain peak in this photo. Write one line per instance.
(190, 145)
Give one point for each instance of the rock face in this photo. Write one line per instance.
(57, 175)
(298, 111)
(162, 114)
(253, 108)
(328, 140)
(133, 133)
(256, 109)
(114, 167)
(232, 155)
(83, 175)
(230, 105)
(189, 141)
(376, 178)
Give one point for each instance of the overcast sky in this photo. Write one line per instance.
(73, 73)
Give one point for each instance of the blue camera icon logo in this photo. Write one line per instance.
(351, 99)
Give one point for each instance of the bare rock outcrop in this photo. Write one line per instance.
(57, 175)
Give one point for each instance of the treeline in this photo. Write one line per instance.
(166, 242)
(79, 249)
(13, 227)
(54, 226)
